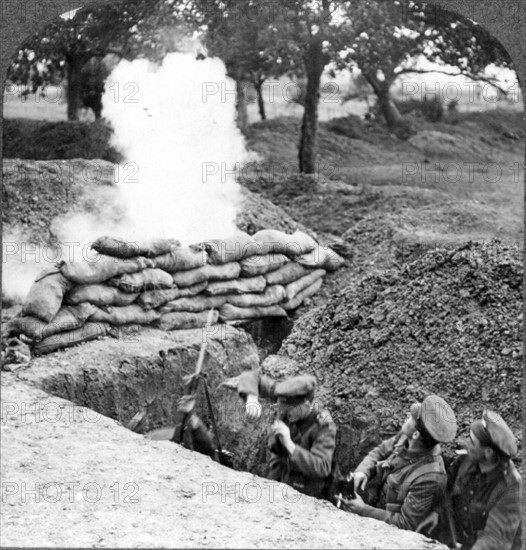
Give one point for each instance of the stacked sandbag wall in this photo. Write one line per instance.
(172, 287)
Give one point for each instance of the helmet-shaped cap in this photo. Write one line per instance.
(296, 386)
(438, 419)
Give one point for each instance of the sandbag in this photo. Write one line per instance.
(303, 295)
(322, 257)
(228, 312)
(192, 290)
(99, 295)
(127, 315)
(287, 273)
(195, 304)
(151, 299)
(147, 279)
(292, 289)
(241, 245)
(68, 318)
(46, 294)
(89, 331)
(207, 273)
(181, 259)
(259, 265)
(121, 248)
(102, 268)
(272, 295)
(272, 240)
(180, 320)
(236, 286)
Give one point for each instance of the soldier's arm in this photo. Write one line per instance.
(417, 505)
(503, 521)
(316, 462)
(368, 464)
(252, 383)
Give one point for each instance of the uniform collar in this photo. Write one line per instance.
(403, 445)
(502, 470)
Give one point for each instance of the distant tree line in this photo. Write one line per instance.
(258, 40)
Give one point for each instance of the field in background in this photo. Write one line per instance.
(53, 108)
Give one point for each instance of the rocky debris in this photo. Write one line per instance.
(16, 355)
(448, 323)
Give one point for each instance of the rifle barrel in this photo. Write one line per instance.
(180, 426)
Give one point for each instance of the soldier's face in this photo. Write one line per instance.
(475, 450)
(409, 426)
(295, 412)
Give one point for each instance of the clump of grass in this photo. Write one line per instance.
(44, 140)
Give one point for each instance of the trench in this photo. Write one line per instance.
(145, 378)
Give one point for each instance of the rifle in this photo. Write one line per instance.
(225, 457)
(182, 417)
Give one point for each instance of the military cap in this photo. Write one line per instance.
(500, 434)
(296, 386)
(438, 419)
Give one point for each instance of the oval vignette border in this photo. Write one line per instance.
(505, 20)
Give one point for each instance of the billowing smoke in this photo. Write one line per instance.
(175, 125)
(21, 263)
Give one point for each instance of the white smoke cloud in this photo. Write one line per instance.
(179, 143)
(21, 263)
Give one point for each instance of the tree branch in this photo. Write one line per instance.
(473, 77)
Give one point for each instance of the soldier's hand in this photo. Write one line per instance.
(360, 480)
(354, 505)
(252, 407)
(428, 524)
(186, 404)
(281, 430)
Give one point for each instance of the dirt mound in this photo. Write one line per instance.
(260, 213)
(36, 192)
(448, 323)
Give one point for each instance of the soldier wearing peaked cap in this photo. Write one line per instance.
(404, 478)
(484, 489)
(302, 438)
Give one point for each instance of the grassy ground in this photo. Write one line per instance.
(379, 200)
(461, 179)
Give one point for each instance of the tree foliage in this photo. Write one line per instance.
(388, 36)
(258, 39)
(61, 50)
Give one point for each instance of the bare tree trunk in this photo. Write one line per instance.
(74, 88)
(241, 105)
(388, 108)
(309, 126)
(261, 103)
(382, 90)
(97, 109)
